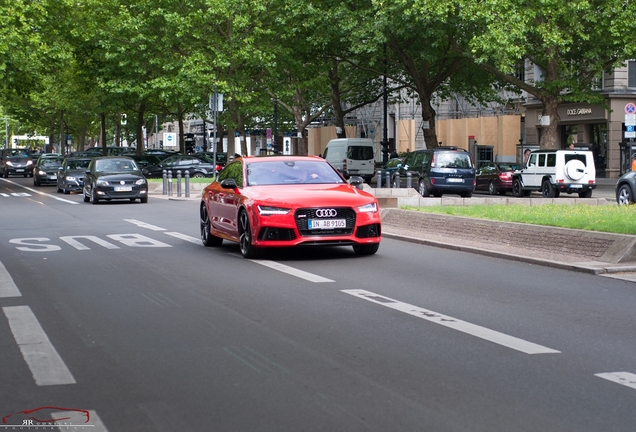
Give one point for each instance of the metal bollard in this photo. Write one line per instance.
(179, 183)
(397, 180)
(379, 182)
(165, 183)
(387, 180)
(169, 183)
(408, 180)
(187, 184)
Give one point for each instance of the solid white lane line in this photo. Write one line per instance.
(77, 421)
(7, 286)
(624, 378)
(144, 225)
(447, 321)
(40, 192)
(185, 237)
(292, 271)
(45, 363)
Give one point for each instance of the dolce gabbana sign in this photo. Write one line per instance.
(578, 111)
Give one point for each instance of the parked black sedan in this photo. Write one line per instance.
(114, 178)
(45, 169)
(70, 176)
(496, 177)
(197, 166)
(626, 188)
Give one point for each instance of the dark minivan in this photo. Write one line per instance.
(438, 171)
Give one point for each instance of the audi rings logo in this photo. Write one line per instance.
(322, 213)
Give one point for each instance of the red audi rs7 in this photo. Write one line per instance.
(283, 201)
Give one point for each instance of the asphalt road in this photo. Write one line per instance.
(117, 310)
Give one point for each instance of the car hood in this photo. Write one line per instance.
(75, 172)
(309, 195)
(18, 159)
(133, 175)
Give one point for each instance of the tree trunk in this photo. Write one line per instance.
(102, 132)
(182, 148)
(139, 127)
(549, 132)
(428, 115)
(62, 137)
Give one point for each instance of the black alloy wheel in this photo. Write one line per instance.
(245, 237)
(207, 238)
(516, 188)
(547, 190)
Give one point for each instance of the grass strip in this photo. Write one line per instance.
(605, 218)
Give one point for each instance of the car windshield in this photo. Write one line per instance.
(291, 172)
(115, 165)
(21, 153)
(50, 162)
(77, 164)
(453, 160)
(510, 167)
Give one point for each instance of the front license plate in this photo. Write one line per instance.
(19, 170)
(53, 177)
(455, 180)
(327, 223)
(123, 188)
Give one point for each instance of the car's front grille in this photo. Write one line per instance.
(302, 217)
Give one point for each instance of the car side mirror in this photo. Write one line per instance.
(229, 184)
(356, 181)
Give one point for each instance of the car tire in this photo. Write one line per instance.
(517, 190)
(245, 237)
(367, 249)
(66, 191)
(207, 238)
(586, 194)
(86, 197)
(94, 199)
(198, 175)
(423, 190)
(36, 182)
(492, 189)
(547, 190)
(624, 195)
(143, 200)
(466, 194)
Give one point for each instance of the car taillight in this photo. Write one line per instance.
(505, 176)
(433, 160)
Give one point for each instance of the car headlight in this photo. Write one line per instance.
(140, 182)
(372, 208)
(42, 172)
(267, 211)
(71, 178)
(9, 163)
(101, 183)
(29, 162)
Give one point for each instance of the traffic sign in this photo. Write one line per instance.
(630, 108)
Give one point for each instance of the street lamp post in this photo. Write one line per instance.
(385, 128)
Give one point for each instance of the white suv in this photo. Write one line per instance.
(556, 171)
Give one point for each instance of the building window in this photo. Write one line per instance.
(631, 73)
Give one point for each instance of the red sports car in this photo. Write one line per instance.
(281, 201)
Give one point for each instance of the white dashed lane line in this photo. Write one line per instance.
(45, 363)
(40, 192)
(7, 287)
(447, 321)
(623, 378)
